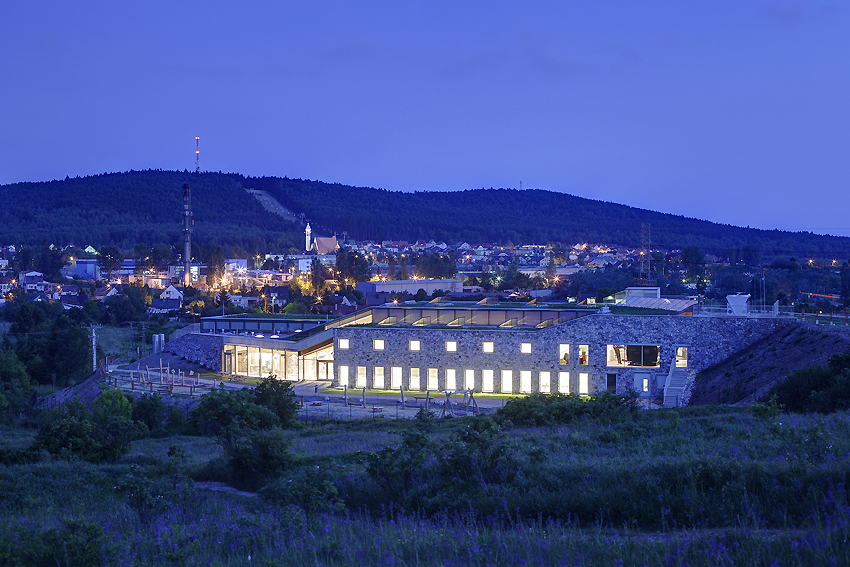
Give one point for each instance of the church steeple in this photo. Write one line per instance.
(309, 233)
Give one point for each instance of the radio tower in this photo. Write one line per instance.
(197, 154)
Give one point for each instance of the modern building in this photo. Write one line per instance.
(486, 348)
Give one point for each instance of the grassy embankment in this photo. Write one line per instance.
(702, 486)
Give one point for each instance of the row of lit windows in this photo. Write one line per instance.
(453, 380)
(486, 346)
(617, 355)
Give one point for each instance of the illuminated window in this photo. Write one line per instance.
(545, 382)
(564, 354)
(432, 379)
(415, 345)
(378, 344)
(525, 348)
(681, 357)
(525, 381)
(507, 381)
(488, 347)
(633, 355)
(564, 382)
(343, 344)
(451, 346)
(469, 380)
(361, 376)
(583, 383)
(451, 379)
(583, 353)
(486, 380)
(646, 384)
(378, 378)
(343, 375)
(414, 379)
(395, 377)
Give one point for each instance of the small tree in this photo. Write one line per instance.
(278, 396)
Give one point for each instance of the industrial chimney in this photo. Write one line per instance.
(187, 236)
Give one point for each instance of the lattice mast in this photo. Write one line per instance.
(197, 154)
(644, 277)
(187, 235)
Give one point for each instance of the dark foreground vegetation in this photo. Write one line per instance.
(547, 480)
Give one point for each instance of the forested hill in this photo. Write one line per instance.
(124, 209)
(144, 206)
(531, 216)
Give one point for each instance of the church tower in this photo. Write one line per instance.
(309, 233)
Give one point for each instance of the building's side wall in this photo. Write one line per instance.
(709, 341)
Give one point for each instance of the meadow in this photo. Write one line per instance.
(690, 486)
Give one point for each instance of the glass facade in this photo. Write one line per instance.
(257, 362)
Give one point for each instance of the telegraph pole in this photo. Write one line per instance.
(93, 347)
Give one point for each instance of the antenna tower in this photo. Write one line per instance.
(197, 154)
(644, 276)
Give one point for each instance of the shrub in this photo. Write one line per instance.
(76, 543)
(84, 439)
(224, 414)
(112, 403)
(817, 388)
(547, 409)
(258, 457)
(278, 396)
(176, 416)
(150, 410)
(312, 488)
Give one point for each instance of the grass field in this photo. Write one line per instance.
(694, 486)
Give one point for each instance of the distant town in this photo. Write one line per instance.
(340, 275)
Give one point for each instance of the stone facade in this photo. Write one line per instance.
(709, 340)
(200, 349)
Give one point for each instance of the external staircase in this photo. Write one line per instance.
(674, 388)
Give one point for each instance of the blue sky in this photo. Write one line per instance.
(736, 112)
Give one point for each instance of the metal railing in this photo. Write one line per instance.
(759, 311)
(190, 328)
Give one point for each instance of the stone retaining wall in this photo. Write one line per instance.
(198, 348)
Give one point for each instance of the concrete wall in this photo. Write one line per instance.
(709, 340)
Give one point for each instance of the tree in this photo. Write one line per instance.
(161, 256)
(352, 266)
(278, 396)
(693, 260)
(213, 256)
(110, 260)
(14, 382)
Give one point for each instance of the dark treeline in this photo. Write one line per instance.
(523, 217)
(124, 209)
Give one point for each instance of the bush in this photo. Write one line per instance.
(112, 404)
(224, 414)
(817, 388)
(76, 543)
(150, 410)
(258, 457)
(176, 416)
(310, 487)
(84, 439)
(278, 396)
(548, 409)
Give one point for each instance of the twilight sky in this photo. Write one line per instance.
(732, 111)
